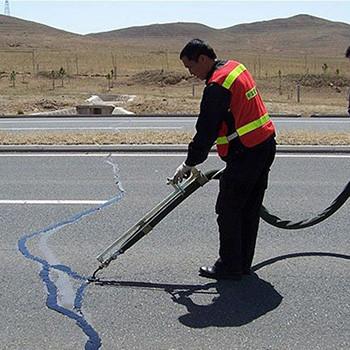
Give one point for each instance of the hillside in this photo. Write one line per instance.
(298, 35)
(301, 34)
(160, 31)
(22, 34)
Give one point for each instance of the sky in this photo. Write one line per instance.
(88, 16)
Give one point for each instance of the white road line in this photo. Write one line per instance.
(165, 120)
(141, 154)
(157, 154)
(311, 121)
(50, 201)
(312, 155)
(43, 121)
(98, 128)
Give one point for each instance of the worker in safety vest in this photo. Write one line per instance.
(347, 55)
(232, 115)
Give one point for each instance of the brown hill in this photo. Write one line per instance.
(161, 31)
(301, 34)
(298, 35)
(22, 34)
(169, 36)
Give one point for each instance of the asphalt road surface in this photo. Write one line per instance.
(92, 124)
(59, 211)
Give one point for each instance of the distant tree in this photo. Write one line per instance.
(112, 77)
(109, 77)
(280, 82)
(53, 77)
(62, 74)
(13, 78)
(324, 68)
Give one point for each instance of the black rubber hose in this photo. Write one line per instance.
(287, 224)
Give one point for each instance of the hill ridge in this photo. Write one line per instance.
(299, 34)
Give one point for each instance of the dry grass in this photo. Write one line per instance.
(157, 93)
(130, 60)
(133, 65)
(160, 96)
(138, 62)
(153, 137)
(313, 138)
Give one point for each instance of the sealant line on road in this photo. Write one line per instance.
(94, 341)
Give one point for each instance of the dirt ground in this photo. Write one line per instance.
(169, 92)
(159, 92)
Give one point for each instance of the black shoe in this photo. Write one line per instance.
(219, 273)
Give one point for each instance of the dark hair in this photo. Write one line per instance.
(195, 48)
(347, 52)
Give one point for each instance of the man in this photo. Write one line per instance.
(347, 55)
(233, 115)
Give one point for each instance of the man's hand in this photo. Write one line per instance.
(182, 172)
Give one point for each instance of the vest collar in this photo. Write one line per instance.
(217, 65)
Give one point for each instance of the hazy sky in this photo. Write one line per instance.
(87, 16)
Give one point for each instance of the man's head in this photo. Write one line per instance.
(198, 57)
(347, 52)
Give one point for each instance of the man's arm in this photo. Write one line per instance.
(213, 110)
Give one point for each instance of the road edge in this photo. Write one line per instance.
(154, 148)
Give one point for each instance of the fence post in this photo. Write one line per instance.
(53, 76)
(298, 91)
(280, 82)
(33, 62)
(77, 64)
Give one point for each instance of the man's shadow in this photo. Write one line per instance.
(234, 303)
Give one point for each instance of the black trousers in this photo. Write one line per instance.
(242, 189)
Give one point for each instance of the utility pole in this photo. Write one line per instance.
(7, 8)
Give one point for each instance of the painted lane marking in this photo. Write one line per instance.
(346, 121)
(155, 154)
(77, 121)
(111, 128)
(161, 120)
(51, 201)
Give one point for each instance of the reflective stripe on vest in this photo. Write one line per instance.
(255, 124)
(245, 129)
(234, 74)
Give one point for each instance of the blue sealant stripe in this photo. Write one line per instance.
(94, 341)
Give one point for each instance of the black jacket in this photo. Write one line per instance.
(214, 109)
